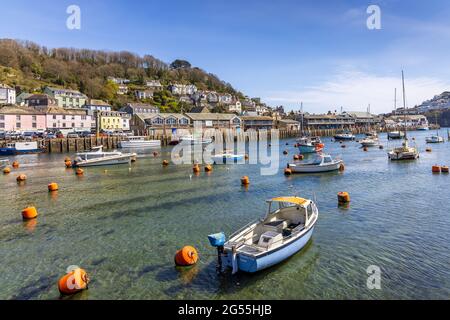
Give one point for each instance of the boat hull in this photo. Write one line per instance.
(224, 160)
(298, 168)
(14, 152)
(403, 156)
(103, 162)
(254, 264)
(344, 138)
(141, 144)
(306, 149)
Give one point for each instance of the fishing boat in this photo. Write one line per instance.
(194, 140)
(371, 139)
(97, 157)
(15, 148)
(345, 135)
(423, 128)
(285, 230)
(434, 139)
(4, 163)
(139, 142)
(310, 145)
(323, 163)
(404, 152)
(227, 157)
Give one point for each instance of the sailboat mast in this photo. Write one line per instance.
(404, 103)
(302, 125)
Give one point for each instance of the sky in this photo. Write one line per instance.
(320, 53)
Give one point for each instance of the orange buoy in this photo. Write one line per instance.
(428, 150)
(29, 213)
(365, 149)
(15, 164)
(7, 170)
(245, 181)
(79, 172)
(208, 168)
(73, 282)
(68, 164)
(21, 178)
(444, 169)
(246, 157)
(133, 159)
(436, 169)
(342, 167)
(165, 163)
(296, 157)
(67, 159)
(343, 197)
(287, 172)
(53, 187)
(187, 256)
(155, 154)
(196, 168)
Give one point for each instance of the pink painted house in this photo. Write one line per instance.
(74, 119)
(18, 118)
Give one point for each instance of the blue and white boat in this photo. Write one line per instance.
(309, 145)
(15, 148)
(285, 230)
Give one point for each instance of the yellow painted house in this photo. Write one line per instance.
(110, 120)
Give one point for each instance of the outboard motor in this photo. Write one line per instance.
(217, 240)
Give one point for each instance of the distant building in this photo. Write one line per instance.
(225, 98)
(119, 80)
(122, 89)
(113, 121)
(134, 108)
(97, 105)
(215, 120)
(182, 89)
(7, 94)
(154, 85)
(143, 94)
(19, 118)
(234, 107)
(328, 121)
(363, 119)
(67, 98)
(41, 101)
(408, 120)
(20, 99)
(257, 122)
(200, 109)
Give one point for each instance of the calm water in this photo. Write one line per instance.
(124, 225)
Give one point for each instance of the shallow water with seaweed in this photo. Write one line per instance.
(124, 223)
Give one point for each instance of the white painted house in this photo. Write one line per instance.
(7, 94)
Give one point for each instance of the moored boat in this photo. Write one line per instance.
(346, 136)
(194, 140)
(97, 157)
(370, 142)
(16, 148)
(395, 135)
(284, 231)
(227, 157)
(139, 142)
(434, 139)
(310, 145)
(323, 163)
(405, 152)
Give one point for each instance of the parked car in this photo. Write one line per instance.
(73, 135)
(29, 135)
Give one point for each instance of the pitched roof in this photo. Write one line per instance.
(210, 116)
(145, 116)
(59, 110)
(15, 109)
(250, 118)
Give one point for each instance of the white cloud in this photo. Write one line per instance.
(355, 90)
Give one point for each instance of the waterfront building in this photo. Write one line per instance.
(67, 98)
(363, 119)
(257, 122)
(289, 124)
(75, 119)
(20, 118)
(113, 121)
(411, 121)
(215, 120)
(328, 121)
(7, 94)
(134, 108)
(158, 122)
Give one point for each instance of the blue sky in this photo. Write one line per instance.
(318, 52)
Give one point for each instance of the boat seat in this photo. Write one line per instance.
(275, 226)
(269, 238)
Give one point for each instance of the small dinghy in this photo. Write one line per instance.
(323, 163)
(284, 231)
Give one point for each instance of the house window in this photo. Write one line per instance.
(73, 124)
(2, 117)
(17, 118)
(64, 117)
(33, 118)
(83, 117)
(34, 125)
(54, 125)
(184, 121)
(54, 117)
(2, 125)
(64, 125)
(171, 121)
(18, 125)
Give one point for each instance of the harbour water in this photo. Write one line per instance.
(124, 224)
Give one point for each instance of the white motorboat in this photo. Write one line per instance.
(346, 135)
(370, 142)
(323, 163)
(99, 158)
(194, 140)
(395, 135)
(405, 152)
(137, 142)
(434, 139)
(284, 231)
(16, 148)
(423, 128)
(227, 157)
